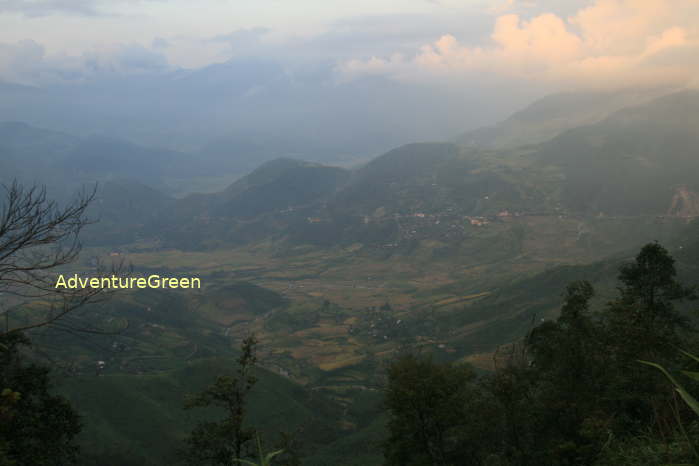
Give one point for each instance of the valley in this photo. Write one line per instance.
(453, 250)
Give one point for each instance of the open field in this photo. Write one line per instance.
(317, 310)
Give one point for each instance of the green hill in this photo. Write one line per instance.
(632, 163)
(139, 419)
(553, 114)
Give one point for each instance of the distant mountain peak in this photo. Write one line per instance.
(553, 114)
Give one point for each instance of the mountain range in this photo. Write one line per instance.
(455, 247)
(637, 164)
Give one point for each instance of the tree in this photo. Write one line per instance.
(36, 237)
(643, 323)
(436, 414)
(223, 442)
(513, 391)
(571, 372)
(8, 402)
(644, 314)
(37, 428)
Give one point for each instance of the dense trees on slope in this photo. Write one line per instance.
(36, 427)
(572, 393)
(433, 407)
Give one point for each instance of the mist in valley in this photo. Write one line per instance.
(423, 233)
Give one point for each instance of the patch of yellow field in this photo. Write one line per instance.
(322, 331)
(226, 317)
(340, 363)
(208, 260)
(480, 360)
(458, 299)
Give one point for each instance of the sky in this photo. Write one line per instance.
(507, 52)
(581, 42)
(193, 34)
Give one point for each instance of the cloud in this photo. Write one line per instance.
(39, 8)
(34, 8)
(124, 59)
(242, 41)
(242, 35)
(160, 43)
(26, 62)
(21, 60)
(609, 43)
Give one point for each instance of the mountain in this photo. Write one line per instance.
(100, 157)
(256, 206)
(279, 185)
(31, 153)
(638, 161)
(588, 187)
(471, 246)
(552, 115)
(306, 111)
(64, 162)
(423, 176)
(126, 211)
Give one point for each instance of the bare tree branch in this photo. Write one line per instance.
(37, 236)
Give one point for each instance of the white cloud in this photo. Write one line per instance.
(608, 43)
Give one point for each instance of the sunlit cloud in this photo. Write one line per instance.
(608, 43)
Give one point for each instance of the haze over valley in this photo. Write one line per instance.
(369, 191)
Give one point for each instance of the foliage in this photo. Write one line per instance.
(223, 442)
(570, 364)
(37, 428)
(432, 414)
(265, 459)
(686, 396)
(570, 394)
(643, 323)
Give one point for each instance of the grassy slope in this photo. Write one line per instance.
(140, 417)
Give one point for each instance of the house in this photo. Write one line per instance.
(477, 221)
